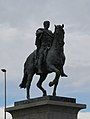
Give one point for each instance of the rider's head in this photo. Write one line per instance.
(46, 24)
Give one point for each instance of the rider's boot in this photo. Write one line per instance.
(63, 74)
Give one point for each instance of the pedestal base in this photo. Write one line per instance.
(48, 107)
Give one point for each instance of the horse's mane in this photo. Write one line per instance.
(58, 36)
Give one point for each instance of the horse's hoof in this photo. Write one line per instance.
(45, 94)
(54, 94)
(28, 98)
(51, 84)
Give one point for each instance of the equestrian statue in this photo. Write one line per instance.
(47, 58)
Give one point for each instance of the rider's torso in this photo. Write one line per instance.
(46, 38)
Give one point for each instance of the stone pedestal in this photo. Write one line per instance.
(48, 107)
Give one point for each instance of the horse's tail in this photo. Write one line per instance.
(28, 67)
(24, 81)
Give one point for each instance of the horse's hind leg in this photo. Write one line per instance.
(56, 80)
(39, 84)
(28, 84)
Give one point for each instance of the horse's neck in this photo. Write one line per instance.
(56, 43)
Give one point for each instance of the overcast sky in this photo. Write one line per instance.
(19, 20)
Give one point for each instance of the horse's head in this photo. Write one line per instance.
(59, 28)
(59, 33)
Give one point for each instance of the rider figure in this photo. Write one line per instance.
(44, 39)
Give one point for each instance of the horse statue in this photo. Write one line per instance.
(54, 63)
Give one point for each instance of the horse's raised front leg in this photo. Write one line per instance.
(39, 84)
(55, 81)
(28, 84)
(54, 69)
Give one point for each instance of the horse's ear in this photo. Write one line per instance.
(55, 25)
(62, 25)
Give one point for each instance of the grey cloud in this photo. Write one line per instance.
(18, 12)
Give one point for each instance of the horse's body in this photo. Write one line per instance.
(54, 63)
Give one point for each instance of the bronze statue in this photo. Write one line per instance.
(53, 62)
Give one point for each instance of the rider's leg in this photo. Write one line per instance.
(40, 58)
(39, 63)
